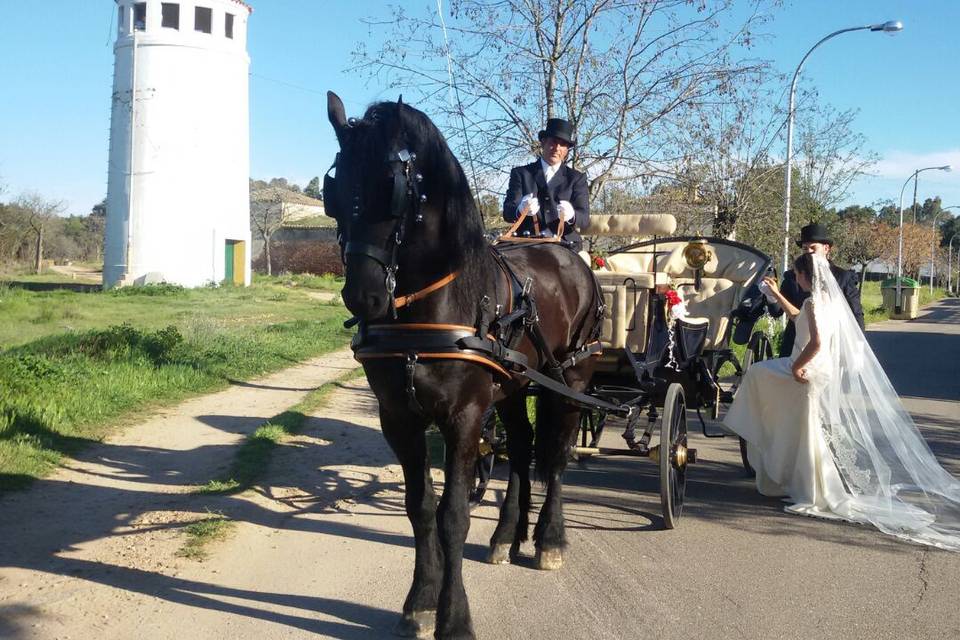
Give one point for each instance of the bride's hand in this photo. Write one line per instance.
(799, 374)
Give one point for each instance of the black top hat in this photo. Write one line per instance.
(560, 129)
(814, 233)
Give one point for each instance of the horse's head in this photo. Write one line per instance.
(390, 228)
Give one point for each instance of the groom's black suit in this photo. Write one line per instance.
(567, 184)
(847, 280)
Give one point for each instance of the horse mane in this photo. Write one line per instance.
(443, 179)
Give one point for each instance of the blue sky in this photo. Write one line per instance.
(56, 65)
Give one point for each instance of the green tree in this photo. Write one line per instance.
(313, 188)
(858, 213)
(927, 211)
(949, 228)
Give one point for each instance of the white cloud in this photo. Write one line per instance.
(902, 164)
(891, 174)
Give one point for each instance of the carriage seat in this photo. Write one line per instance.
(639, 225)
(628, 278)
(724, 280)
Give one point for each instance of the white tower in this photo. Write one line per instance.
(178, 206)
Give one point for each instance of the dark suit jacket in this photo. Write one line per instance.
(791, 291)
(568, 184)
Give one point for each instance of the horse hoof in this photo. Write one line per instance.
(549, 559)
(419, 624)
(499, 554)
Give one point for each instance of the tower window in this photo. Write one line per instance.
(228, 25)
(203, 19)
(120, 26)
(140, 16)
(170, 15)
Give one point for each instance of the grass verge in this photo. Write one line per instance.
(252, 458)
(62, 392)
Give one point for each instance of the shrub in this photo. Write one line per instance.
(158, 289)
(127, 342)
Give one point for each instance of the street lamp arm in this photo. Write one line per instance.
(889, 27)
(796, 73)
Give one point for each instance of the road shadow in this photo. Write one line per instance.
(919, 364)
(945, 311)
(358, 621)
(46, 526)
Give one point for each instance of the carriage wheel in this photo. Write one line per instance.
(673, 455)
(487, 457)
(758, 349)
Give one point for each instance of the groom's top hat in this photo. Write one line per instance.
(814, 233)
(560, 129)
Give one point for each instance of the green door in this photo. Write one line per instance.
(228, 262)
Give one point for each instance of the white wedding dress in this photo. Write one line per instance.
(842, 446)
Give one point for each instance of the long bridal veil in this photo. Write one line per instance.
(892, 478)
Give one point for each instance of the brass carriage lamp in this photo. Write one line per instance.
(697, 254)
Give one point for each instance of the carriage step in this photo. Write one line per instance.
(586, 451)
(652, 452)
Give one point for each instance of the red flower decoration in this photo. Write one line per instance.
(673, 297)
(600, 262)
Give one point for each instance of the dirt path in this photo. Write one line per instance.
(91, 551)
(79, 273)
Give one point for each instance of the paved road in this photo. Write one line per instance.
(738, 567)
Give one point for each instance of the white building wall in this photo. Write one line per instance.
(178, 178)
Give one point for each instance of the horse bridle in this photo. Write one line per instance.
(405, 201)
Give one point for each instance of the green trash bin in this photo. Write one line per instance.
(909, 298)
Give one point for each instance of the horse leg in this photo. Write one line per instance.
(406, 437)
(557, 421)
(514, 520)
(462, 436)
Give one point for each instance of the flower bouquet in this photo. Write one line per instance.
(676, 310)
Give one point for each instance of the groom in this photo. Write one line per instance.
(815, 239)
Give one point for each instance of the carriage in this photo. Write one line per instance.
(448, 326)
(655, 367)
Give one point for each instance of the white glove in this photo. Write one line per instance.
(531, 200)
(566, 210)
(765, 290)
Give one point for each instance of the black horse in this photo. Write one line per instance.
(421, 276)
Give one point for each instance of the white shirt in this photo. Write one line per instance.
(549, 170)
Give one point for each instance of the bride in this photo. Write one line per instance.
(825, 427)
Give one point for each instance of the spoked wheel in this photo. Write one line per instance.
(673, 455)
(758, 349)
(486, 458)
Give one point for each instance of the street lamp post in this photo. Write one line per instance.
(933, 244)
(891, 26)
(949, 263)
(897, 302)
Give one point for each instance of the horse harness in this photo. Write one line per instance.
(491, 342)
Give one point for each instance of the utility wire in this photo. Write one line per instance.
(456, 90)
(285, 83)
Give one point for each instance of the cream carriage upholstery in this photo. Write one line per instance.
(724, 279)
(629, 278)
